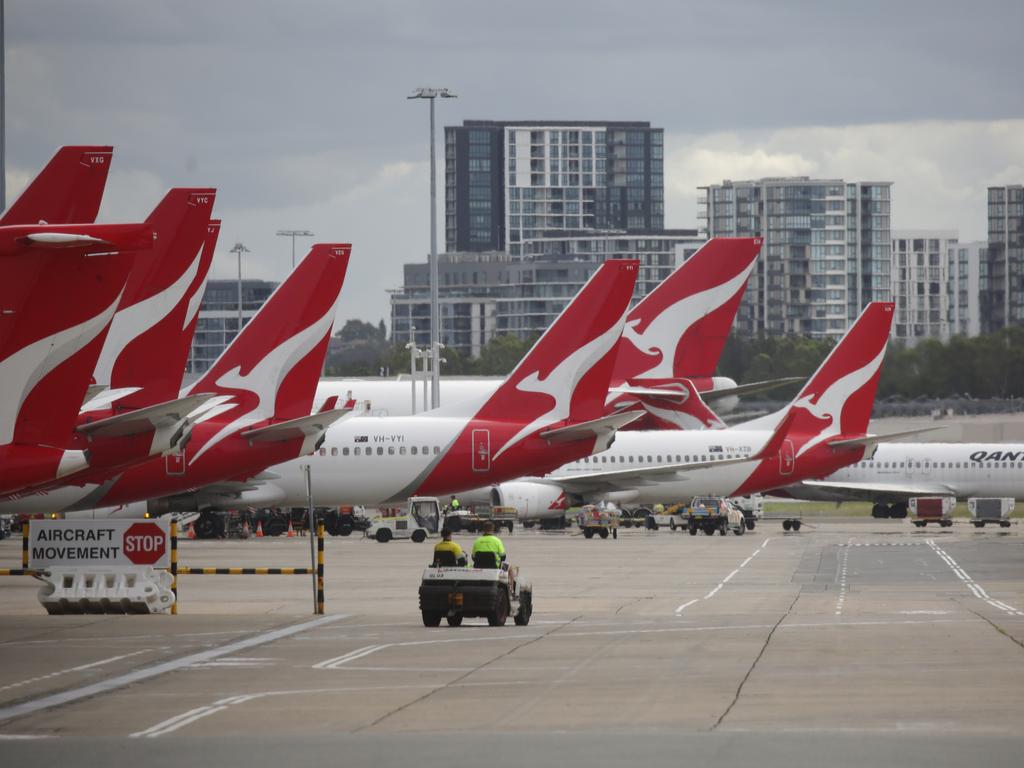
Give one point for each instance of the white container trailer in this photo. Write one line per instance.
(990, 510)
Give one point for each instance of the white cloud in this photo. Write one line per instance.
(940, 169)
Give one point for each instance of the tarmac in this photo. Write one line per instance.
(852, 642)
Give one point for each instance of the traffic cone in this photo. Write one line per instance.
(191, 531)
(259, 529)
(291, 531)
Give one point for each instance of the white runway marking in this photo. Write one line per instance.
(724, 581)
(842, 581)
(72, 669)
(976, 589)
(103, 686)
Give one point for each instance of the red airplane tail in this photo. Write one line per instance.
(667, 404)
(679, 329)
(150, 337)
(67, 191)
(272, 367)
(59, 289)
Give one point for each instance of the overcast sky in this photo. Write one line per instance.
(296, 110)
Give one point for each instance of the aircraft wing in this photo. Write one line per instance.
(305, 426)
(144, 419)
(870, 442)
(748, 389)
(626, 479)
(872, 491)
(602, 427)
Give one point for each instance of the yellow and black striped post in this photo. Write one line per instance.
(24, 543)
(320, 568)
(174, 566)
(20, 572)
(186, 570)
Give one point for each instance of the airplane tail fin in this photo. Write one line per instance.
(56, 304)
(564, 377)
(668, 404)
(679, 329)
(148, 342)
(67, 191)
(838, 398)
(272, 367)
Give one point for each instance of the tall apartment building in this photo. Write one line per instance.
(483, 294)
(217, 324)
(967, 281)
(920, 283)
(827, 249)
(507, 182)
(1002, 303)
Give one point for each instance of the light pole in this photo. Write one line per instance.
(435, 315)
(239, 249)
(293, 233)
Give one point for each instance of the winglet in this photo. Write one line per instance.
(67, 191)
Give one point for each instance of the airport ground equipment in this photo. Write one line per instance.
(672, 517)
(990, 510)
(637, 517)
(932, 509)
(421, 520)
(594, 521)
(5, 526)
(897, 511)
(454, 593)
(752, 507)
(473, 520)
(110, 589)
(345, 520)
(711, 514)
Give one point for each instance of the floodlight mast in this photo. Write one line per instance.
(293, 233)
(433, 94)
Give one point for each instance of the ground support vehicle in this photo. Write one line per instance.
(896, 511)
(932, 509)
(597, 522)
(630, 518)
(473, 519)
(991, 510)
(751, 506)
(421, 519)
(673, 517)
(343, 521)
(711, 514)
(454, 593)
(5, 526)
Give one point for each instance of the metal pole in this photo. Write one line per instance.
(3, 112)
(412, 367)
(239, 250)
(312, 543)
(435, 312)
(174, 566)
(320, 568)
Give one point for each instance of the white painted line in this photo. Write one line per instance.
(976, 589)
(104, 686)
(73, 669)
(23, 736)
(724, 581)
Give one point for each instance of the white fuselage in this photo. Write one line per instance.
(391, 397)
(963, 470)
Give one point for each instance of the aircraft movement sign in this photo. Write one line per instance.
(91, 543)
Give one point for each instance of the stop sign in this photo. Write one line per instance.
(144, 543)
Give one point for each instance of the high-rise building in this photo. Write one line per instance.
(507, 182)
(483, 294)
(217, 324)
(1002, 303)
(826, 253)
(920, 283)
(967, 281)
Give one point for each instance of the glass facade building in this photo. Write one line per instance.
(827, 250)
(510, 182)
(217, 324)
(921, 283)
(967, 281)
(1002, 301)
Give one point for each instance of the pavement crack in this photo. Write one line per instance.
(997, 628)
(464, 675)
(764, 647)
(634, 601)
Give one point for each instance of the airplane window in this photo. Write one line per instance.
(604, 459)
(679, 459)
(901, 465)
(703, 458)
(380, 450)
(650, 460)
(344, 451)
(917, 465)
(630, 459)
(358, 451)
(611, 459)
(401, 450)
(413, 450)
(323, 451)
(334, 451)
(659, 459)
(424, 450)
(437, 450)
(391, 450)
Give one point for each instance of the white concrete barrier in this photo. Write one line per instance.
(109, 589)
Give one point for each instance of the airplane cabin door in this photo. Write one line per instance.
(481, 450)
(787, 458)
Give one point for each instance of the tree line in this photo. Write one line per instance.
(990, 366)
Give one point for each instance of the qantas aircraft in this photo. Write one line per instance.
(898, 472)
(59, 289)
(67, 191)
(550, 410)
(675, 332)
(145, 351)
(822, 429)
(268, 377)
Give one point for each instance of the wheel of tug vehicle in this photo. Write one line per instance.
(786, 525)
(672, 525)
(880, 511)
(345, 529)
(740, 529)
(693, 530)
(419, 536)
(796, 525)
(383, 535)
(208, 526)
(603, 533)
(723, 529)
(453, 524)
(455, 621)
(588, 533)
(275, 526)
(431, 618)
(750, 523)
(499, 615)
(522, 617)
(651, 525)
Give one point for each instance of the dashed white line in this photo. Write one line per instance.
(976, 589)
(724, 581)
(73, 669)
(843, 584)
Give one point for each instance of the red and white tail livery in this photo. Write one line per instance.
(67, 191)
